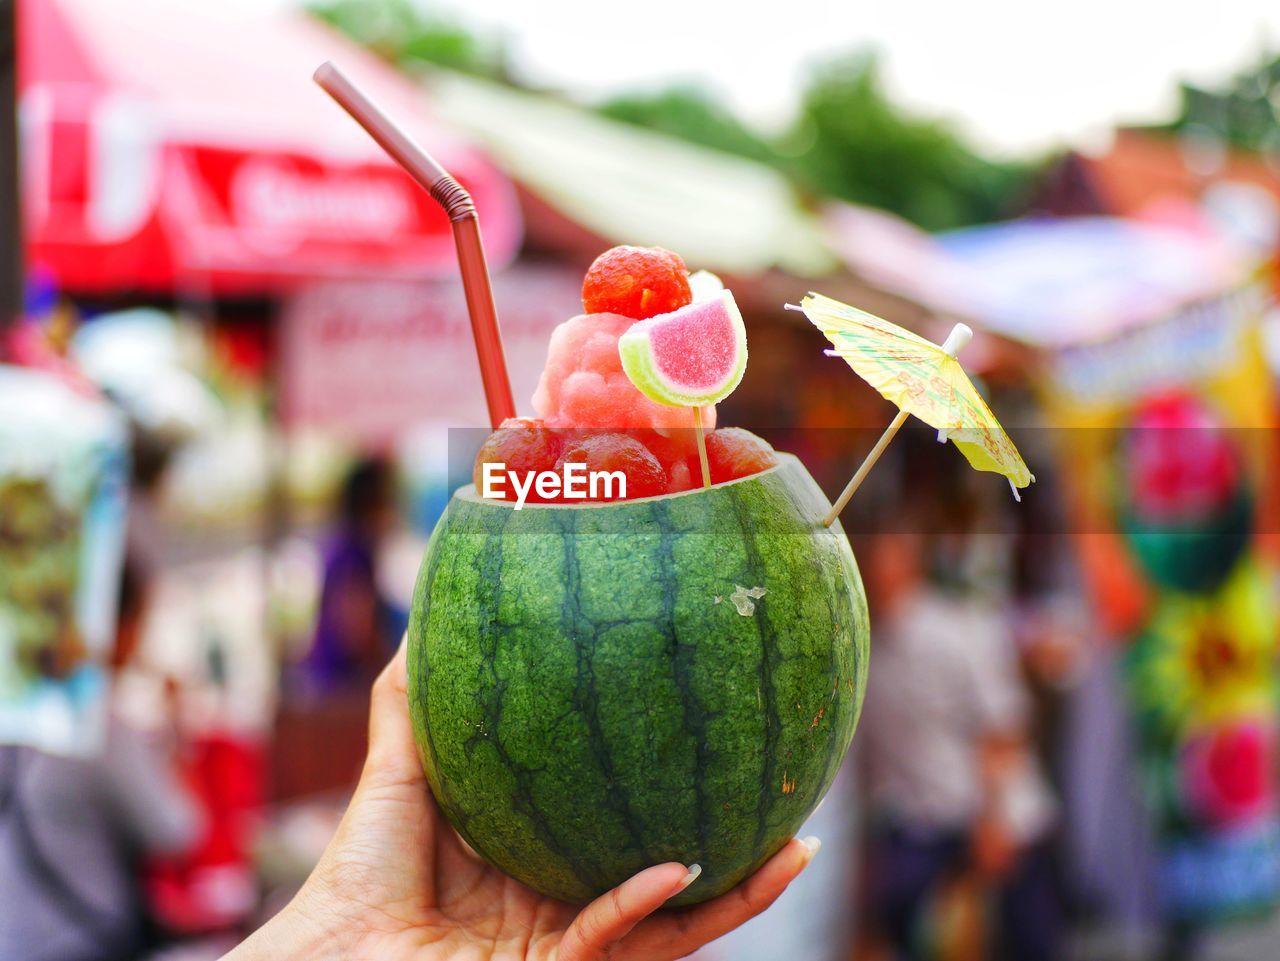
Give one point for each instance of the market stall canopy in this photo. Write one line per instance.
(629, 185)
(171, 145)
(1057, 282)
(1141, 169)
(900, 258)
(908, 276)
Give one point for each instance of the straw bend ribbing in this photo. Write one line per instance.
(453, 197)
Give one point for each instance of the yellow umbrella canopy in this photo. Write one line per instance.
(923, 379)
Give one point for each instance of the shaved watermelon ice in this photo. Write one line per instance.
(588, 410)
(583, 383)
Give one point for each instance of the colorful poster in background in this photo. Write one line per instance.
(63, 477)
(1166, 447)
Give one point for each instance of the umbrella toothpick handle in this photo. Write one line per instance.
(856, 481)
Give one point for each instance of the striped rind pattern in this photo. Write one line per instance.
(589, 701)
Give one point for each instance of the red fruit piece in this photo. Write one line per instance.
(679, 478)
(636, 282)
(677, 452)
(616, 452)
(523, 444)
(733, 452)
(670, 447)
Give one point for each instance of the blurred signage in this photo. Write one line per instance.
(267, 195)
(113, 202)
(291, 214)
(182, 148)
(1191, 343)
(371, 361)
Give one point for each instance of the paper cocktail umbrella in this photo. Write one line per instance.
(924, 379)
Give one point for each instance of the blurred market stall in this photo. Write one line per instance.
(176, 148)
(190, 201)
(586, 182)
(1153, 376)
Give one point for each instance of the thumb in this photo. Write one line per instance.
(393, 753)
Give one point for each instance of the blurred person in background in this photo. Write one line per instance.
(75, 832)
(959, 810)
(356, 627)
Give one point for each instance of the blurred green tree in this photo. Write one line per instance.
(851, 141)
(691, 113)
(848, 139)
(410, 36)
(1244, 112)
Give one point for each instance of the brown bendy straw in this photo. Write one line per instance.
(457, 203)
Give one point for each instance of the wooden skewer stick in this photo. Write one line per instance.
(856, 481)
(955, 342)
(702, 447)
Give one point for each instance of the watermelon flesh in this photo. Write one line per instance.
(617, 452)
(691, 357)
(653, 463)
(589, 698)
(584, 391)
(583, 383)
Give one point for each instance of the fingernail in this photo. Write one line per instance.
(695, 871)
(814, 845)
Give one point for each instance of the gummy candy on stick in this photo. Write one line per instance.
(691, 357)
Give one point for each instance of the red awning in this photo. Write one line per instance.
(180, 146)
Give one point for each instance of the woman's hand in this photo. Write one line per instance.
(397, 883)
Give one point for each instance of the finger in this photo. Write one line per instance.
(609, 918)
(677, 935)
(393, 755)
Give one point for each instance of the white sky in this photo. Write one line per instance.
(1014, 74)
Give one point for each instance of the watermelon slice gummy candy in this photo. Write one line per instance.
(637, 282)
(690, 357)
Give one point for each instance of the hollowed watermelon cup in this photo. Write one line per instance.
(592, 693)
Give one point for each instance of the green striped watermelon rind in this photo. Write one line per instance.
(588, 701)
